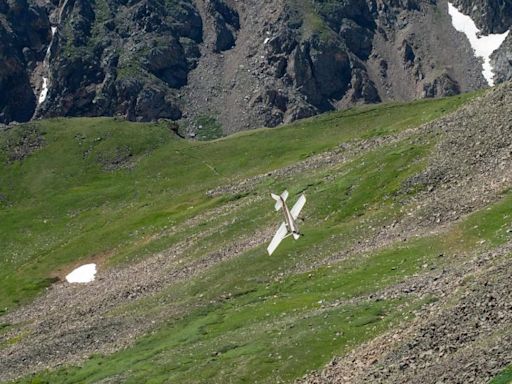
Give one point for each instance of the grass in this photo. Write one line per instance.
(503, 378)
(122, 191)
(210, 346)
(312, 21)
(209, 128)
(62, 205)
(247, 323)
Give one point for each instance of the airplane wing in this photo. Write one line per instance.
(298, 207)
(278, 237)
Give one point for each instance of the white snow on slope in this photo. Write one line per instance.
(54, 30)
(483, 46)
(44, 91)
(83, 274)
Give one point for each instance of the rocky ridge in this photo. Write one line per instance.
(225, 66)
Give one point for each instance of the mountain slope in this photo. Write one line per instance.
(223, 66)
(406, 230)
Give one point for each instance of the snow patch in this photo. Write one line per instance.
(44, 91)
(266, 40)
(483, 46)
(44, 88)
(48, 50)
(83, 274)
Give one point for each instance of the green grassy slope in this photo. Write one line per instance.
(101, 189)
(504, 378)
(64, 203)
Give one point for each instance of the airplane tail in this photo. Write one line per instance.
(279, 202)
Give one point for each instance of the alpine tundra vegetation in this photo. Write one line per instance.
(403, 271)
(140, 142)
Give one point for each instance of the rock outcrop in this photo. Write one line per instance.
(241, 64)
(121, 58)
(24, 35)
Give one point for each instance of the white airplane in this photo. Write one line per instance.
(289, 226)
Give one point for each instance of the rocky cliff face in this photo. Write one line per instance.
(24, 35)
(225, 65)
(121, 57)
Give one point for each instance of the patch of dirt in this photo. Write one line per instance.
(121, 158)
(99, 259)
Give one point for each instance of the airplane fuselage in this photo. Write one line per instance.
(288, 219)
